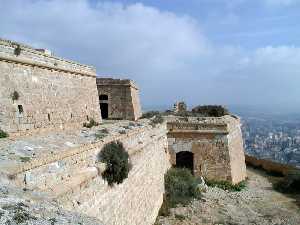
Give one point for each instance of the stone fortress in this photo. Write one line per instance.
(51, 158)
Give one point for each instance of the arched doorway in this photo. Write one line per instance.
(103, 99)
(185, 160)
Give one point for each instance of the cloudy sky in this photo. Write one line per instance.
(232, 52)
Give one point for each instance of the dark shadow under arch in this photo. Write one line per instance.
(185, 160)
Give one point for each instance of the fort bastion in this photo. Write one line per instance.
(40, 91)
(59, 170)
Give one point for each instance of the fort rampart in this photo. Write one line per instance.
(72, 177)
(43, 92)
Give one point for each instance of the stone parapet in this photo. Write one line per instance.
(23, 54)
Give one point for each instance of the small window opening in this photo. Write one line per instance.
(87, 118)
(20, 108)
(71, 115)
(49, 118)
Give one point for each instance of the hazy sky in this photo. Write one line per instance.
(242, 52)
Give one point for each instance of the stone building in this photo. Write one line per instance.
(211, 147)
(119, 99)
(40, 91)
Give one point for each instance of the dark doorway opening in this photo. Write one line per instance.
(185, 160)
(103, 97)
(104, 110)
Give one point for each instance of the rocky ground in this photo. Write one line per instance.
(21, 207)
(258, 204)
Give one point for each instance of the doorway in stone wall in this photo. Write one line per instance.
(185, 160)
(104, 110)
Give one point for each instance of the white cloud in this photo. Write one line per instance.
(168, 55)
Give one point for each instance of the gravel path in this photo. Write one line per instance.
(258, 204)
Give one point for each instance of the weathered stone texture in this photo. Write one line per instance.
(123, 98)
(72, 178)
(53, 93)
(216, 144)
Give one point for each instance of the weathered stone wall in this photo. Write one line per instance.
(216, 144)
(71, 177)
(53, 92)
(270, 165)
(123, 98)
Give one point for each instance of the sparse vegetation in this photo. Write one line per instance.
(100, 134)
(226, 185)
(15, 96)
(180, 188)
(150, 114)
(90, 124)
(179, 217)
(3, 134)
(17, 50)
(52, 221)
(20, 215)
(158, 119)
(210, 110)
(25, 159)
(117, 162)
(290, 183)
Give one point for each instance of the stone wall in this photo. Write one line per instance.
(270, 165)
(216, 144)
(122, 98)
(72, 178)
(53, 92)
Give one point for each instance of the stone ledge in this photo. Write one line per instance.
(13, 170)
(198, 132)
(24, 61)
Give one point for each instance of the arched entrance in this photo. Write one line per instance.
(185, 160)
(103, 99)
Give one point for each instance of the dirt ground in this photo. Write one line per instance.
(258, 204)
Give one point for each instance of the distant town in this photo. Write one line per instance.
(273, 137)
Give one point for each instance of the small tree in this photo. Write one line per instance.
(117, 162)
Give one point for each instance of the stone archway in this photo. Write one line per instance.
(185, 159)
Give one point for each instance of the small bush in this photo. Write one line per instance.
(100, 134)
(149, 115)
(15, 96)
(225, 185)
(181, 187)
(3, 134)
(91, 123)
(179, 217)
(158, 119)
(117, 162)
(290, 183)
(210, 110)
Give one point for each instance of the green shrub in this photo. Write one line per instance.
(91, 123)
(226, 185)
(3, 134)
(180, 187)
(15, 96)
(158, 119)
(290, 183)
(150, 114)
(117, 162)
(210, 110)
(100, 134)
